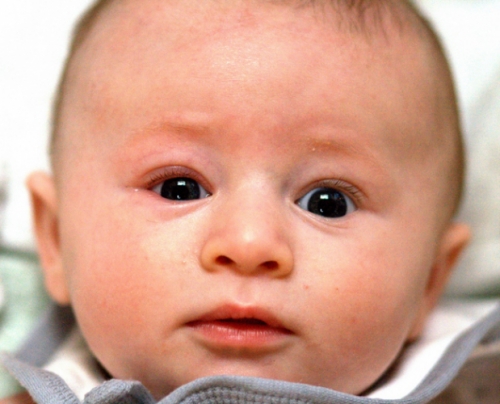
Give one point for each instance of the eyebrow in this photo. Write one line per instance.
(195, 127)
(343, 142)
(198, 125)
(339, 146)
(182, 130)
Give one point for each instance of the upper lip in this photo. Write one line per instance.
(231, 312)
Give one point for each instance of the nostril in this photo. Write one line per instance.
(223, 260)
(271, 265)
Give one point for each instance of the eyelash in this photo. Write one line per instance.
(350, 190)
(178, 171)
(168, 173)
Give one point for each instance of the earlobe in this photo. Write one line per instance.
(44, 202)
(453, 243)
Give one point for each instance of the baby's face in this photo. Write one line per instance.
(246, 191)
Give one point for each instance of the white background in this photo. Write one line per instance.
(33, 40)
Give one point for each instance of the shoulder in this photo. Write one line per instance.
(22, 398)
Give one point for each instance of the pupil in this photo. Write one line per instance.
(180, 189)
(328, 203)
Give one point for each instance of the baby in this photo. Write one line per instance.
(253, 188)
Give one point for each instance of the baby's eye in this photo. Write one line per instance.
(327, 202)
(181, 189)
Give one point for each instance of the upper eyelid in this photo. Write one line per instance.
(341, 185)
(166, 173)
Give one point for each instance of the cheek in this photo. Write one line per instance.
(379, 266)
(124, 274)
(365, 291)
(104, 268)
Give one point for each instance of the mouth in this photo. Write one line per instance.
(238, 327)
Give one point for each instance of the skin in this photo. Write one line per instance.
(260, 104)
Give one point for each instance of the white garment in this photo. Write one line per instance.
(74, 363)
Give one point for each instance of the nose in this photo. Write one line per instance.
(248, 239)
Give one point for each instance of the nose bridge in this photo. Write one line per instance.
(248, 235)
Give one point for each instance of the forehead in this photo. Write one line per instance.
(141, 55)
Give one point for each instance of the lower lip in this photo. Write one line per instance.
(229, 334)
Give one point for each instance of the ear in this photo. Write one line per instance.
(46, 225)
(453, 242)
